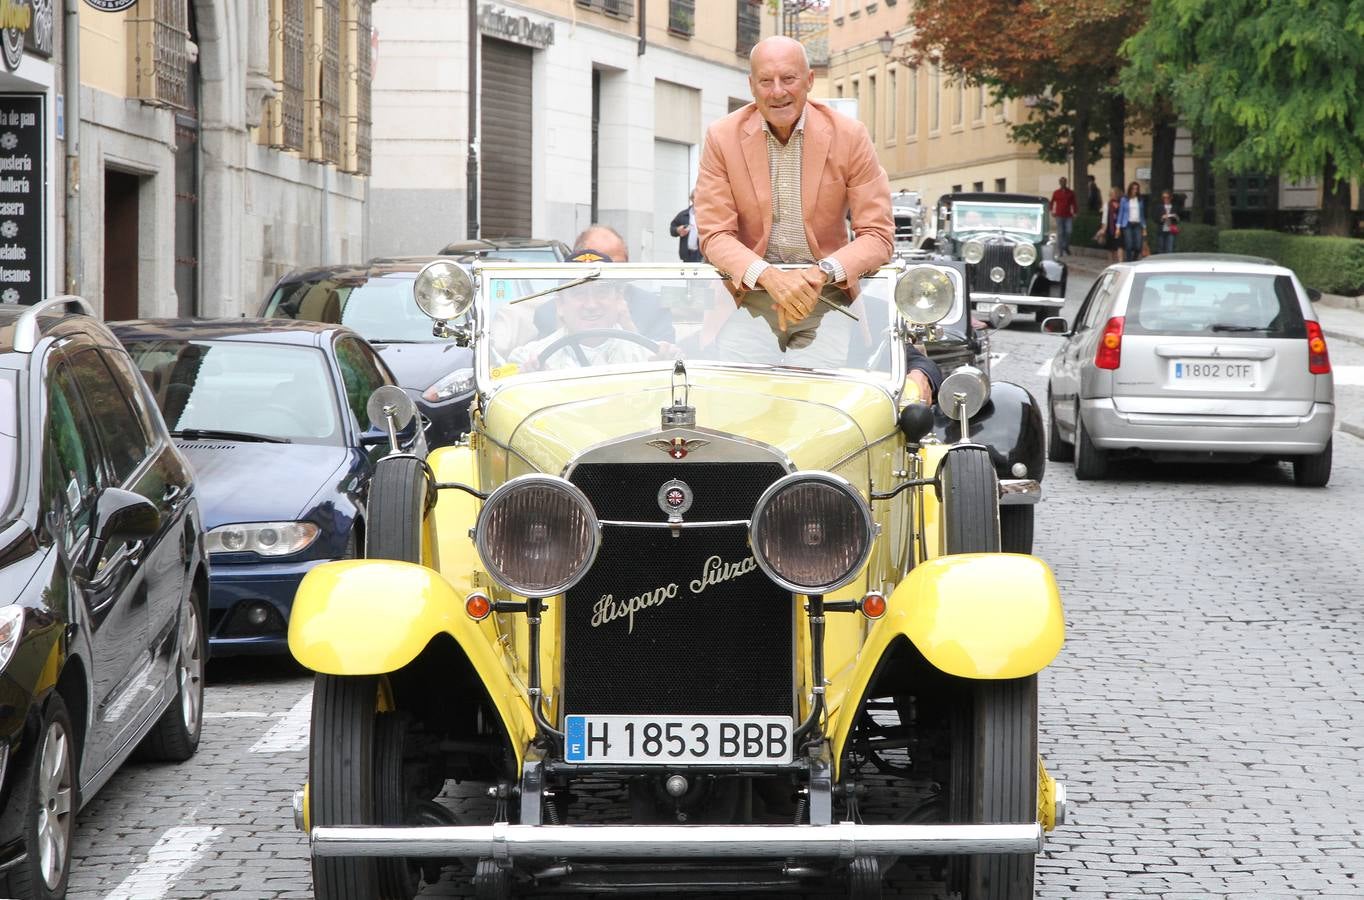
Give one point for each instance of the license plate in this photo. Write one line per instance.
(1214, 371)
(672, 740)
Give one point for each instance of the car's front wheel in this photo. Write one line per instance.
(1314, 470)
(1091, 463)
(46, 796)
(1057, 449)
(970, 502)
(175, 737)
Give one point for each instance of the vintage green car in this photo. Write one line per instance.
(701, 602)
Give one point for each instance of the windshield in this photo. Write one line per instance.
(9, 441)
(1222, 303)
(271, 391)
(381, 309)
(1018, 218)
(630, 316)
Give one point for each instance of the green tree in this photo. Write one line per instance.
(1267, 85)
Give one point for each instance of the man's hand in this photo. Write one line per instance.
(683, 230)
(925, 387)
(793, 293)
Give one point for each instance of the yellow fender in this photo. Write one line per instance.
(973, 615)
(371, 617)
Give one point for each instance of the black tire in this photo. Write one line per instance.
(970, 502)
(1016, 528)
(399, 879)
(1314, 470)
(341, 784)
(397, 507)
(1057, 449)
(491, 881)
(864, 878)
(1091, 463)
(46, 797)
(994, 781)
(175, 737)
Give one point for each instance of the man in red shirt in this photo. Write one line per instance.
(1063, 211)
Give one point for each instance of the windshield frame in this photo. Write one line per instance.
(1038, 236)
(483, 274)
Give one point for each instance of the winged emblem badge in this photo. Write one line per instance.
(677, 447)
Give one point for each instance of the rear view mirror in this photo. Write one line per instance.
(1055, 325)
(121, 517)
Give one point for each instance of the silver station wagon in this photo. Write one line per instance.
(1193, 356)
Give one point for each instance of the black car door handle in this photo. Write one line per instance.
(172, 493)
(128, 555)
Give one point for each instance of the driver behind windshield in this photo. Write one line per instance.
(584, 313)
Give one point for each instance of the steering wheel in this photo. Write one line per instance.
(575, 342)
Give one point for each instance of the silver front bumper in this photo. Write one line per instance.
(844, 840)
(980, 298)
(1019, 491)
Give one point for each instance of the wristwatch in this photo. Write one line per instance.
(827, 267)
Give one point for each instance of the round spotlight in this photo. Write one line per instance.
(1025, 254)
(537, 535)
(257, 614)
(924, 294)
(997, 275)
(443, 290)
(973, 252)
(811, 532)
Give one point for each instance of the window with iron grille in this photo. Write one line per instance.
(748, 28)
(682, 17)
(161, 53)
(621, 9)
(357, 78)
(322, 85)
(283, 127)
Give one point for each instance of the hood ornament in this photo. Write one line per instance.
(681, 414)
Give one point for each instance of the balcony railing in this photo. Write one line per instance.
(620, 9)
(161, 53)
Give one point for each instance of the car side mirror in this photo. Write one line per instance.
(1055, 325)
(122, 516)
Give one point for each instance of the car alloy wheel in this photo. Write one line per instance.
(191, 669)
(55, 802)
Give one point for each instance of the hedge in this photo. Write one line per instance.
(1331, 264)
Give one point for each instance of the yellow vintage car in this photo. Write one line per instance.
(700, 601)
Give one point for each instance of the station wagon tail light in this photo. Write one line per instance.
(263, 538)
(537, 535)
(811, 532)
(11, 630)
(1318, 359)
(1109, 355)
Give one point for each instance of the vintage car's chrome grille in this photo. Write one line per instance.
(725, 650)
(1002, 255)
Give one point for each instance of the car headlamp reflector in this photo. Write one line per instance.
(264, 538)
(811, 532)
(924, 295)
(537, 535)
(11, 630)
(1025, 254)
(973, 252)
(443, 290)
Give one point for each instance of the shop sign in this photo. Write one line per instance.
(495, 21)
(23, 215)
(25, 25)
(112, 5)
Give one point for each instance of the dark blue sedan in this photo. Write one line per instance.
(271, 415)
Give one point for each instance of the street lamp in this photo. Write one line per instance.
(887, 43)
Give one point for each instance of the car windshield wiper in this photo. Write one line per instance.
(1222, 327)
(595, 273)
(199, 434)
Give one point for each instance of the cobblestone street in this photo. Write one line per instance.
(1204, 713)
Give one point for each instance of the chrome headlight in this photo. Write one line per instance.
(973, 387)
(11, 630)
(811, 532)
(924, 295)
(443, 290)
(537, 535)
(973, 252)
(460, 381)
(264, 538)
(1025, 254)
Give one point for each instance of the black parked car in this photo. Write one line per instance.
(272, 415)
(103, 579)
(376, 300)
(1009, 251)
(509, 249)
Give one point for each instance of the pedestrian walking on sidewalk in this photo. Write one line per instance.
(1063, 210)
(1109, 235)
(1169, 222)
(1132, 221)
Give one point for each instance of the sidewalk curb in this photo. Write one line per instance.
(1351, 429)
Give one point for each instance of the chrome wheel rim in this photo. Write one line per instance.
(191, 669)
(54, 804)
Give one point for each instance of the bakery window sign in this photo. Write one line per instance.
(22, 198)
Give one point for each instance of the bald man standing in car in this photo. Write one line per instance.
(777, 180)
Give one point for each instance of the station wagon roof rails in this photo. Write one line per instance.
(26, 331)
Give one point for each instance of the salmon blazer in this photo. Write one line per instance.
(839, 172)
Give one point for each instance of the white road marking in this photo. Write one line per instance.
(1352, 376)
(177, 850)
(997, 358)
(1045, 369)
(289, 734)
(238, 714)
